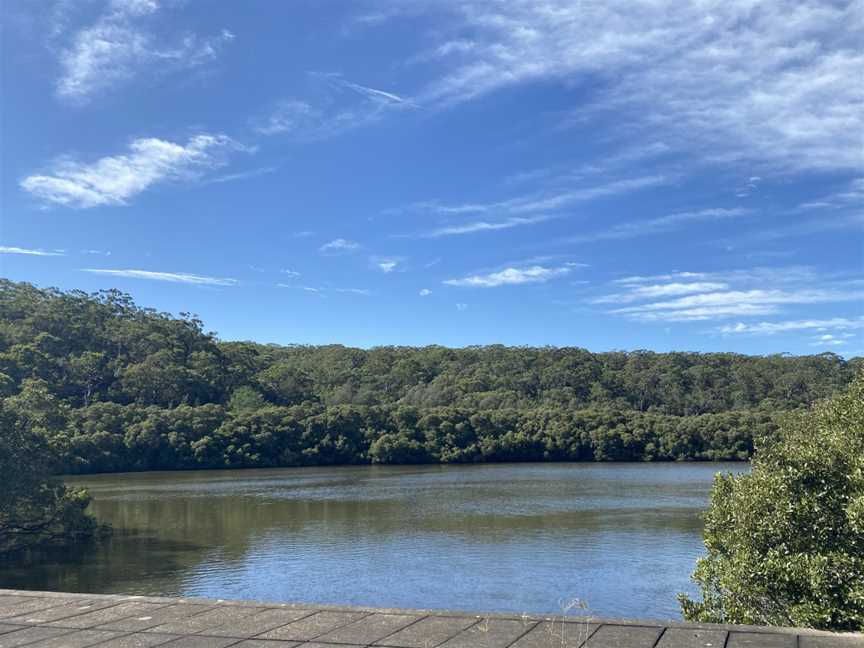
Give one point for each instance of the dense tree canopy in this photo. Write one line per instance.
(35, 507)
(118, 387)
(786, 542)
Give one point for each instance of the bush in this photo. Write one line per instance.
(786, 543)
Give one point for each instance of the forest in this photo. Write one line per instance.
(107, 385)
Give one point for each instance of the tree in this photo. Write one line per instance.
(786, 543)
(34, 508)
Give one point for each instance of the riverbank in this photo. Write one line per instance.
(116, 621)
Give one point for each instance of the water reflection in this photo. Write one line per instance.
(514, 537)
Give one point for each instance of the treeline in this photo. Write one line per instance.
(112, 386)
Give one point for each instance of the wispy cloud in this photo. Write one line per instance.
(637, 279)
(380, 96)
(385, 264)
(339, 246)
(29, 252)
(777, 83)
(173, 277)
(341, 105)
(852, 195)
(509, 277)
(322, 290)
(242, 175)
(115, 180)
(118, 47)
(771, 328)
(827, 340)
(715, 305)
(354, 291)
(530, 209)
(659, 225)
(723, 295)
(482, 226)
(424, 292)
(661, 290)
(538, 201)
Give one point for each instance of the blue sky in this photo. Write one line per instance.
(659, 175)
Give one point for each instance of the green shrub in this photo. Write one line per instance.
(786, 543)
(35, 508)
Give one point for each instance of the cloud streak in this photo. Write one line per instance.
(339, 246)
(659, 225)
(28, 252)
(509, 277)
(539, 201)
(345, 105)
(172, 277)
(772, 328)
(713, 305)
(697, 296)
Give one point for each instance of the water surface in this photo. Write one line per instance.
(622, 538)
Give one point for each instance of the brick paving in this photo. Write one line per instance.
(62, 620)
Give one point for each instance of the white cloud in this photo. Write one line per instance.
(766, 82)
(385, 264)
(714, 305)
(290, 116)
(483, 226)
(321, 291)
(827, 340)
(242, 175)
(461, 307)
(354, 291)
(377, 95)
(30, 252)
(339, 245)
(730, 293)
(757, 275)
(116, 179)
(658, 225)
(544, 201)
(770, 328)
(661, 290)
(425, 292)
(701, 313)
(636, 279)
(509, 277)
(118, 47)
(290, 273)
(530, 209)
(174, 277)
(345, 105)
(852, 195)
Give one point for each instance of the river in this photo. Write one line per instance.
(619, 538)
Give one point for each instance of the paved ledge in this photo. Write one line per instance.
(62, 620)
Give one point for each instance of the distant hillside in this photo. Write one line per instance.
(117, 387)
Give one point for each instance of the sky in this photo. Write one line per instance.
(666, 175)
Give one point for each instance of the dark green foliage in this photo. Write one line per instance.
(786, 543)
(35, 508)
(134, 389)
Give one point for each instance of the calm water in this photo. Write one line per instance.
(509, 537)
